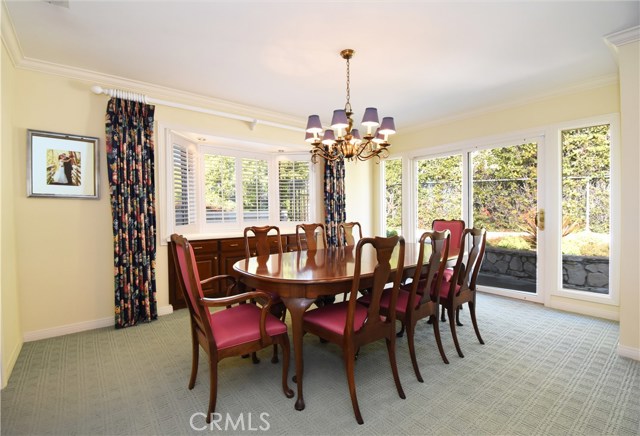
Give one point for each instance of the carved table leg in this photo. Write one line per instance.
(297, 307)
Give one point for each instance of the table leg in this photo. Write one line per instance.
(297, 307)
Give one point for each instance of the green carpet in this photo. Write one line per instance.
(541, 372)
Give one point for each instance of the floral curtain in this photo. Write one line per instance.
(334, 201)
(130, 162)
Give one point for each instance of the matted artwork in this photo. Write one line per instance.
(62, 165)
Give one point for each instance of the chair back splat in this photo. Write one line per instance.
(230, 331)
(315, 236)
(349, 324)
(347, 233)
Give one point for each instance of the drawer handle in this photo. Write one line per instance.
(233, 245)
(197, 248)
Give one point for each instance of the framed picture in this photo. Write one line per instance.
(61, 165)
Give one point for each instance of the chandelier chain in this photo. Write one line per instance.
(347, 106)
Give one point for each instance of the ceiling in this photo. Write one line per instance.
(419, 61)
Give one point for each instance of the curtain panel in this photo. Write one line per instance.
(131, 169)
(334, 200)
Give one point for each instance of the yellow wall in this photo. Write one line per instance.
(64, 258)
(11, 336)
(629, 64)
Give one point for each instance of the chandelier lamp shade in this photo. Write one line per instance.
(342, 141)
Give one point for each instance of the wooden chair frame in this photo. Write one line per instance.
(200, 321)
(311, 240)
(346, 233)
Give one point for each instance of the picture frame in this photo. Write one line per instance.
(61, 165)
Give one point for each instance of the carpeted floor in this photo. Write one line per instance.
(540, 372)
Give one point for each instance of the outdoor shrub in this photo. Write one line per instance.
(513, 243)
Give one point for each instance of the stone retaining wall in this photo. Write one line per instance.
(586, 273)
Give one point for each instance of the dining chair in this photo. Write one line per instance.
(346, 233)
(460, 288)
(231, 330)
(350, 325)
(263, 247)
(315, 236)
(456, 227)
(415, 300)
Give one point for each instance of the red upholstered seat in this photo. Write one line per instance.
(334, 317)
(230, 330)
(351, 325)
(241, 324)
(445, 287)
(385, 300)
(447, 274)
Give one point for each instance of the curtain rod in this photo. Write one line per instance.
(128, 95)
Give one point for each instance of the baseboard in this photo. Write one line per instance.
(81, 326)
(630, 352)
(584, 310)
(13, 358)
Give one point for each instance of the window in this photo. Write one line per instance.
(393, 196)
(293, 186)
(220, 188)
(216, 189)
(184, 185)
(439, 194)
(255, 189)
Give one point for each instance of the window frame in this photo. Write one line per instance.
(239, 150)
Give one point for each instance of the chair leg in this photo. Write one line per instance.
(412, 351)
(458, 323)
(254, 358)
(472, 312)
(274, 359)
(194, 362)
(436, 333)
(391, 348)
(442, 317)
(452, 325)
(285, 368)
(401, 332)
(349, 364)
(213, 388)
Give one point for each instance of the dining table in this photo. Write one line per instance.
(300, 277)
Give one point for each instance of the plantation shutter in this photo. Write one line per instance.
(293, 179)
(255, 189)
(184, 186)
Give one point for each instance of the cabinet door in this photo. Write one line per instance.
(207, 261)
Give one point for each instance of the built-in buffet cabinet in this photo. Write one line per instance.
(217, 256)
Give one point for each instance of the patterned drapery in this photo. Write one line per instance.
(130, 162)
(334, 201)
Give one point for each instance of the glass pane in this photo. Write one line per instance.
(220, 188)
(393, 196)
(586, 167)
(505, 186)
(439, 190)
(255, 190)
(293, 184)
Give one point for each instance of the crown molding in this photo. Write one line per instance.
(627, 36)
(594, 83)
(15, 52)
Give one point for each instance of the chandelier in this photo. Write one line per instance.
(342, 141)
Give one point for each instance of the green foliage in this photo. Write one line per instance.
(391, 233)
(393, 193)
(586, 244)
(513, 243)
(505, 186)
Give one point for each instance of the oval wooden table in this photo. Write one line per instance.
(299, 277)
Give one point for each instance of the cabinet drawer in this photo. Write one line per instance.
(231, 245)
(204, 247)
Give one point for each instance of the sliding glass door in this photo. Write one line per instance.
(503, 199)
